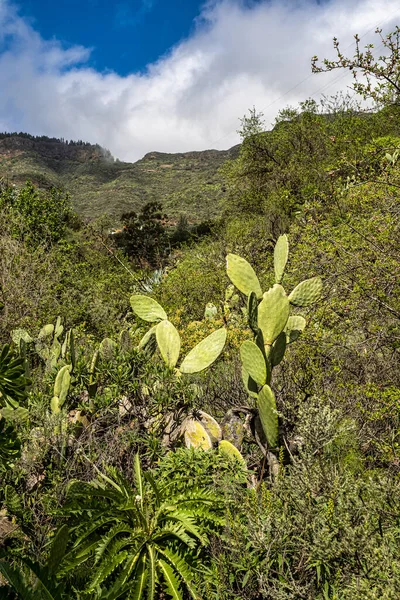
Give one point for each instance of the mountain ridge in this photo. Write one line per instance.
(184, 182)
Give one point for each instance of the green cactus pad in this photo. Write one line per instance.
(230, 450)
(294, 327)
(20, 334)
(169, 342)
(281, 253)
(242, 275)
(307, 292)
(205, 353)
(249, 384)
(61, 384)
(147, 337)
(252, 312)
(46, 331)
(196, 436)
(147, 309)
(55, 405)
(268, 415)
(273, 313)
(278, 349)
(254, 362)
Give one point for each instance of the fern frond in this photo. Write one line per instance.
(106, 568)
(181, 568)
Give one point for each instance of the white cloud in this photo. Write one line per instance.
(238, 56)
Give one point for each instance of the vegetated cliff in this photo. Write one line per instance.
(185, 182)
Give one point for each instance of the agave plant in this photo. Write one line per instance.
(139, 540)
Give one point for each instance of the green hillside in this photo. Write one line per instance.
(185, 183)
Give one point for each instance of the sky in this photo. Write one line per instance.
(141, 75)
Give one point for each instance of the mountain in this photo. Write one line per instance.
(186, 183)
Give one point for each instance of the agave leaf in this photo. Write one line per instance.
(273, 313)
(147, 308)
(242, 275)
(268, 415)
(307, 292)
(169, 342)
(205, 353)
(281, 253)
(254, 362)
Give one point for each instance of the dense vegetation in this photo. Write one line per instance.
(227, 426)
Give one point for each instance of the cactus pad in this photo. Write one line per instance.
(196, 436)
(254, 362)
(252, 312)
(169, 342)
(268, 415)
(249, 384)
(294, 327)
(211, 426)
(307, 292)
(281, 253)
(242, 275)
(147, 309)
(278, 349)
(273, 313)
(205, 353)
(230, 450)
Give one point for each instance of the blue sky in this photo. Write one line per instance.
(125, 35)
(165, 75)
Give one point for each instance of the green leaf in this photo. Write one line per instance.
(205, 353)
(242, 275)
(152, 572)
(273, 313)
(58, 548)
(268, 415)
(147, 309)
(16, 580)
(62, 383)
(252, 312)
(12, 501)
(138, 478)
(170, 580)
(307, 292)
(169, 342)
(281, 253)
(254, 362)
(250, 385)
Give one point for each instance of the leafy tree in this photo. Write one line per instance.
(143, 237)
(381, 73)
(139, 539)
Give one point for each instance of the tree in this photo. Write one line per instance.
(143, 236)
(384, 69)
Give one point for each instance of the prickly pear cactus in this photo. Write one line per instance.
(273, 328)
(230, 450)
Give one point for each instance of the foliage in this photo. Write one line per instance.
(381, 73)
(139, 539)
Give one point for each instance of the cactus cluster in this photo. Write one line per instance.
(165, 336)
(273, 329)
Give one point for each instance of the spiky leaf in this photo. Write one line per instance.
(242, 275)
(170, 580)
(281, 253)
(254, 362)
(307, 292)
(268, 415)
(147, 309)
(205, 353)
(169, 342)
(273, 313)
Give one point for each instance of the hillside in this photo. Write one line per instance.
(184, 183)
